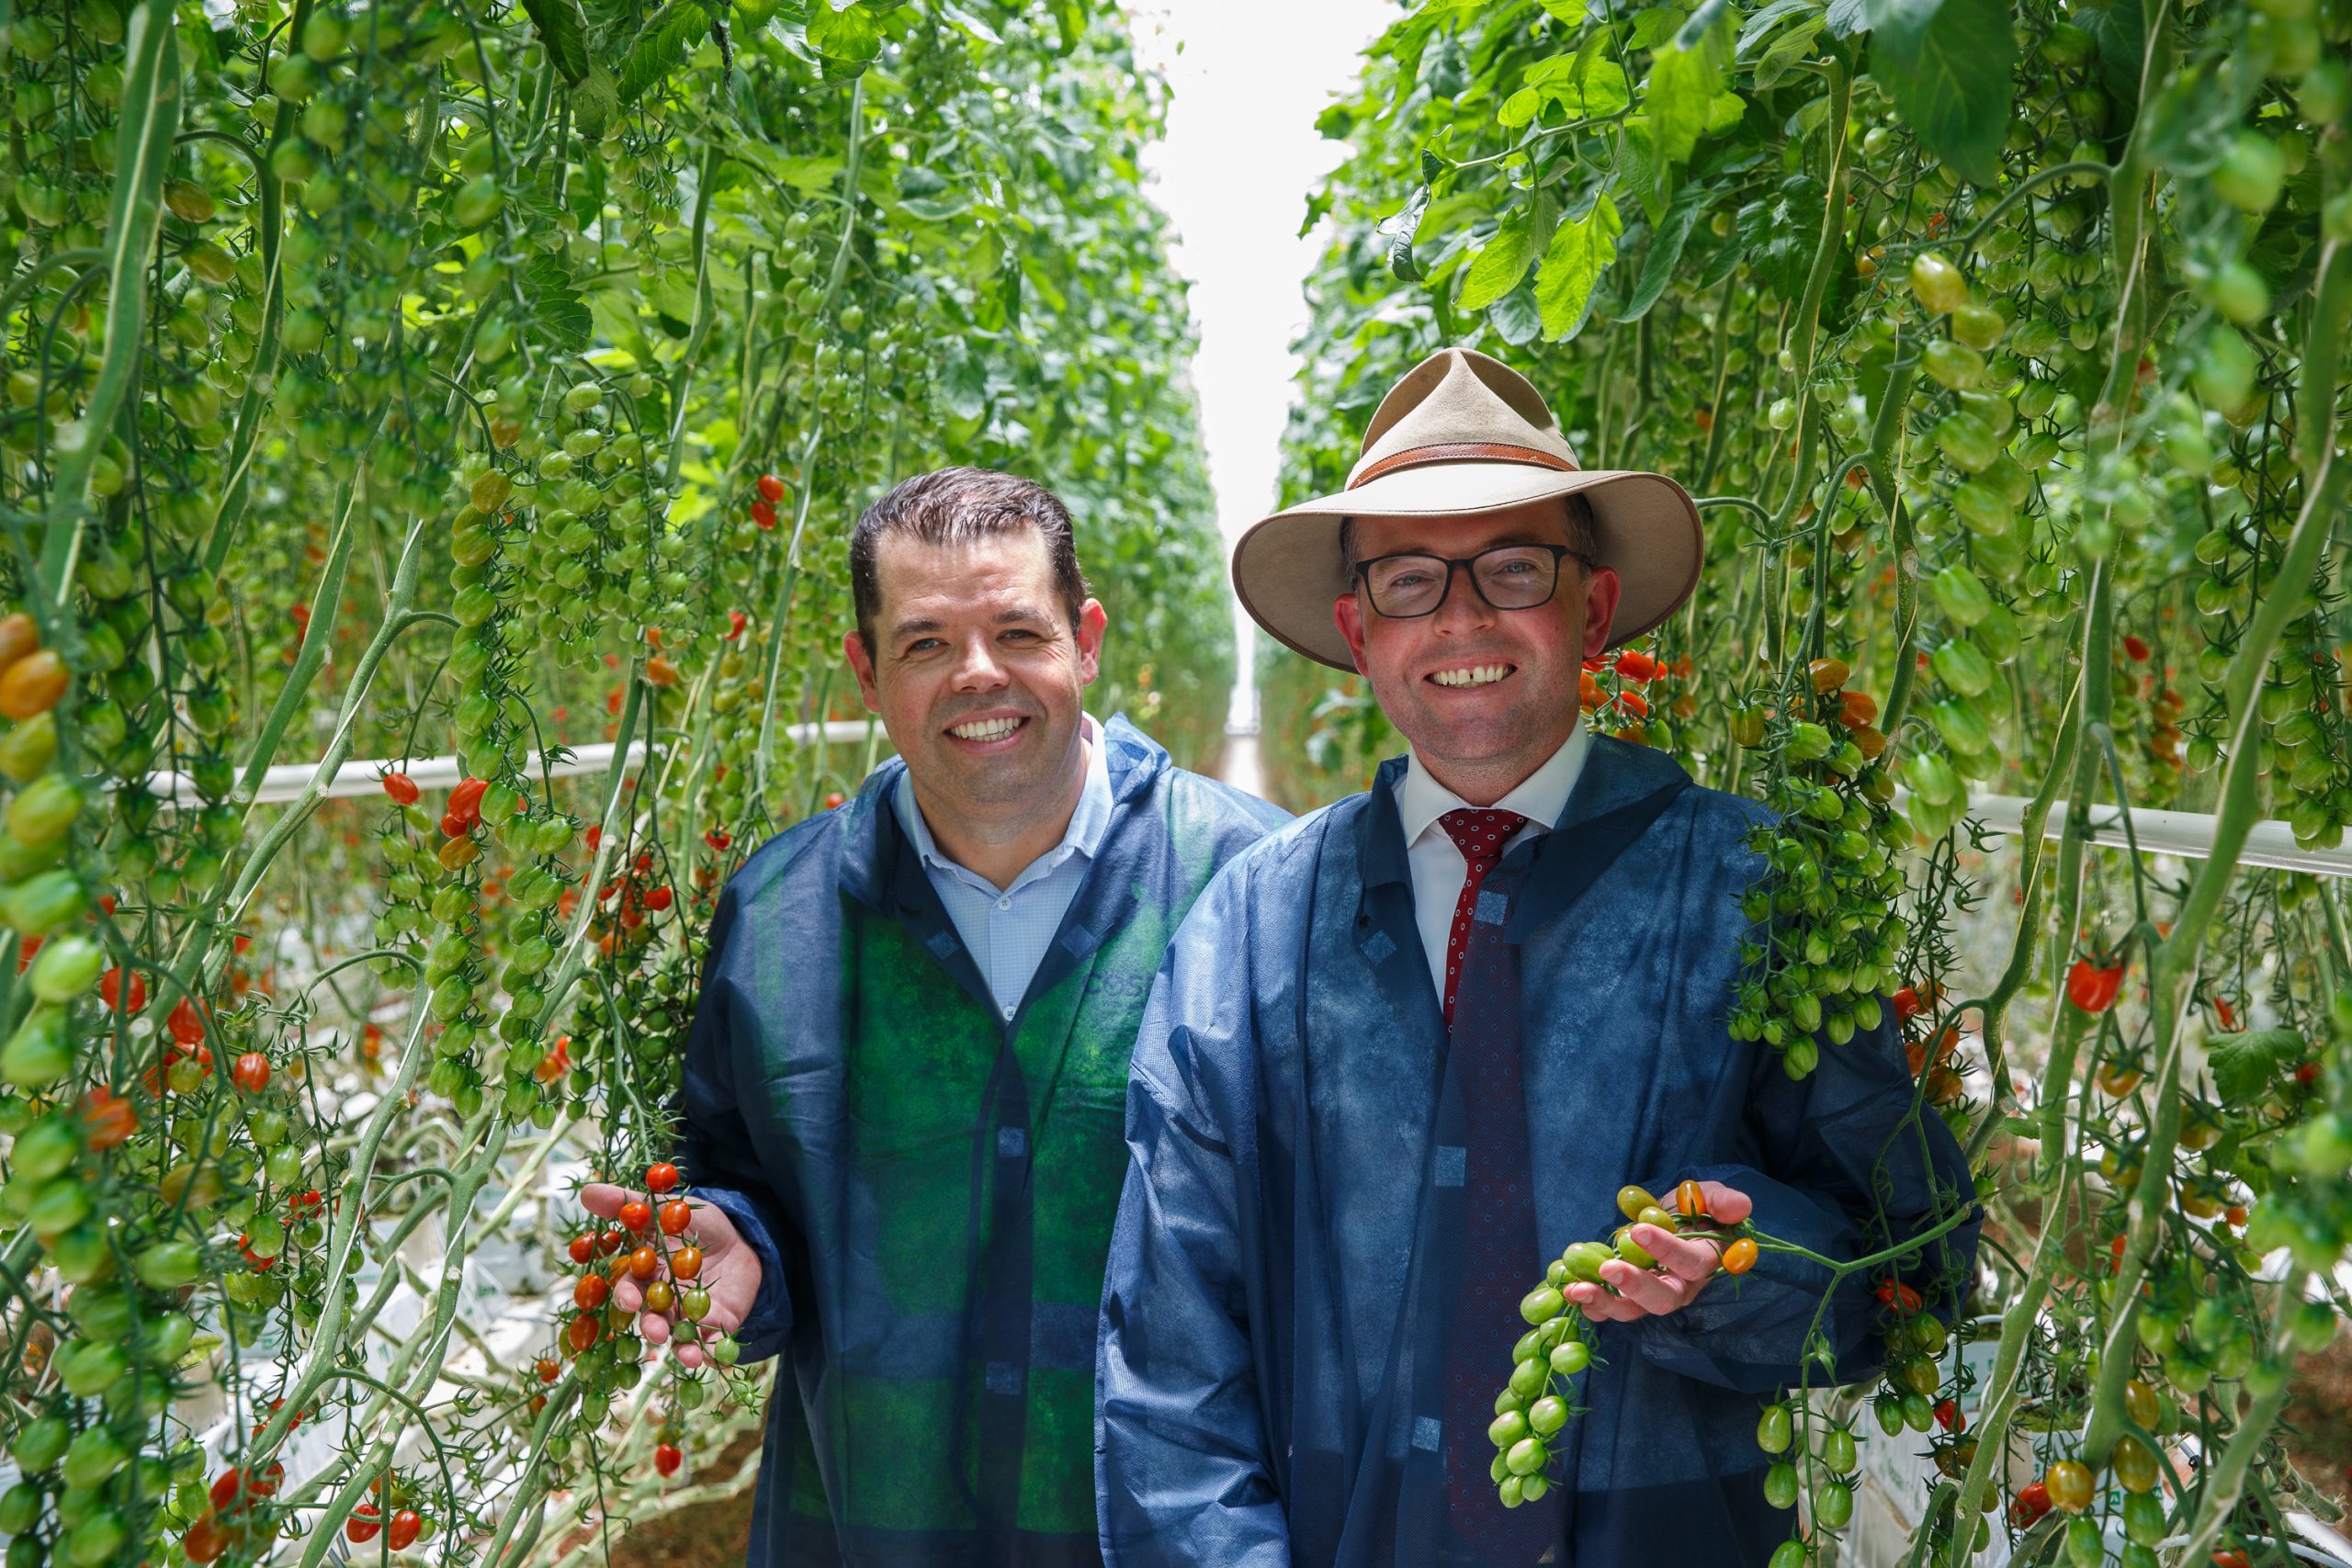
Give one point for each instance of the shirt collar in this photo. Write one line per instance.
(1540, 798)
(1088, 824)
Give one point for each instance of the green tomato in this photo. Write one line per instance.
(1939, 286)
(1571, 1357)
(1837, 1450)
(2251, 173)
(43, 810)
(1774, 1429)
(1780, 1485)
(42, 1444)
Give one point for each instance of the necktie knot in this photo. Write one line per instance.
(1480, 833)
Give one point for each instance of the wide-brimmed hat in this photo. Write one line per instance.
(1461, 434)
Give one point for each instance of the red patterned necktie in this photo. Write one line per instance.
(1480, 834)
(1500, 1259)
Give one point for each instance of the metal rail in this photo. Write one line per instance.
(365, 775)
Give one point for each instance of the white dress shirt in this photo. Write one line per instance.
(1438, 868)
(1008, 930)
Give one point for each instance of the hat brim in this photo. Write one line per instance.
(1288, 571)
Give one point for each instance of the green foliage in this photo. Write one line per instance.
(420, 378)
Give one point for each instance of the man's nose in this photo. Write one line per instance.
(977, 668)
(1463, 608)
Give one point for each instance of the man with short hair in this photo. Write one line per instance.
(1407, 1050)
(904, 1082)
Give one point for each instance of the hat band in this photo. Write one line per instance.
(1462, 452)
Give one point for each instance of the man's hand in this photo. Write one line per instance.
(731, 1269)
(1689, 1262)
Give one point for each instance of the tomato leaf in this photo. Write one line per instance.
(555, 308)
(850, 39)
(1580, 251)
(564, 27)
(964, 386)
(2245, 1065)
(1666, 250)
(1948, 64)
(1500, 266)
(1682, 82)
(1516, 317)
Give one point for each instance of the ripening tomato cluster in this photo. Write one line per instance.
(1826, 941)
(1536, 1404)
(651, 1244)
(1637, 697)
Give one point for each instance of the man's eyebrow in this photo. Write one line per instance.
(1015, 615)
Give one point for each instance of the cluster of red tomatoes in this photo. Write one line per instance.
(1635, 692)
(648, 1245)
(625, 903)
(771, 490)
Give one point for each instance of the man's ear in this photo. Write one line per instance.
(1349, 616)
(1602, 588)
(1092, 624)
(861, 665)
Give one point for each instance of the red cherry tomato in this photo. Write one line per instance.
(771, 489)
(465, 801)
(110, 991)
(687, 1263)
(2091, 987)
(676, 1215)
(363, 1524)
(644, 1263)
(608, 1243)
(2032, 1502)
(205, 1540)
(583, 1248)
(589, 1294)
(661, 1178)
(250, 1072)
(658, 899)
(406, 1525)
(582, 1332)
(547, 1370)
(666, 1458)
(635, 1214)
(401, 788)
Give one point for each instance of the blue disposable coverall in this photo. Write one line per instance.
(1289, 1238)
(929, 1187)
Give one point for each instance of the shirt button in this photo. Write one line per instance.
(1008, 1012)
(1005, 902)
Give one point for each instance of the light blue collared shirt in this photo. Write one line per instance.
(1008, 931)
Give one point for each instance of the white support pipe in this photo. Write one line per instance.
(364, 776)
(2188, 834)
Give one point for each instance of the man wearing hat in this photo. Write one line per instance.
(1406, 1050)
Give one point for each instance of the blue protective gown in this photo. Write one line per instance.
(929, 1186)
(1272, 1340)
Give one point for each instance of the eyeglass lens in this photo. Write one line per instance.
(1511, 577)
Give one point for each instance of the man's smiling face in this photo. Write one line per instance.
(979, 672)
(1483, 695)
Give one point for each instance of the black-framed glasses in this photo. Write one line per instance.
(1508, 577)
